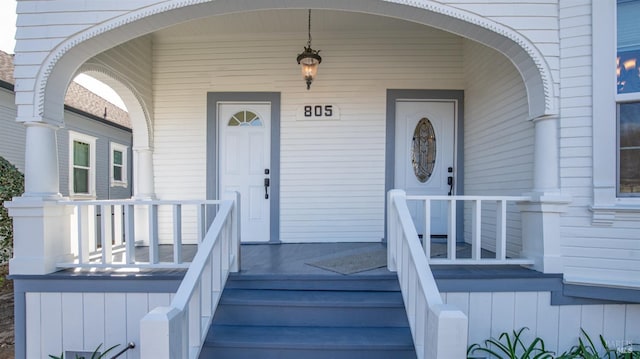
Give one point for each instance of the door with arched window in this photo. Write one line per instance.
(244, 163)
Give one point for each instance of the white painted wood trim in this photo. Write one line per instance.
(197, 297)
(438, 331)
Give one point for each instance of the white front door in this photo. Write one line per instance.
(244, 162)
(424, 156)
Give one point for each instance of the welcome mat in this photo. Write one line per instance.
(354, 263)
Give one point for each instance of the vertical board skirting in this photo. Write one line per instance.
(491, 313)
(76, 321)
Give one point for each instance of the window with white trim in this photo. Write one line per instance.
(82, 163)
(118, 164)
(628, 97)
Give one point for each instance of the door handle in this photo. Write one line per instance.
(266, 188)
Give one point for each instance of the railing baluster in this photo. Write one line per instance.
(427, 228)
(476, 230)
(206, 288)
(501, 230)
(106, 234)
(153, 234)
(200, 222)
(92, 218)
(83, 233)
(451, 235)
(117, 225)
(130, 241)
(177, 233)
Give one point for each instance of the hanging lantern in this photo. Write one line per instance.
(309, 60)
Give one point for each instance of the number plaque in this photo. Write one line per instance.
(319, 112)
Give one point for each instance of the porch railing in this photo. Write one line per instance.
(439, 330)
(179, 331)
(495, 238)
(106, 233)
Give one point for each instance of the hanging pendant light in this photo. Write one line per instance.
(309, 60)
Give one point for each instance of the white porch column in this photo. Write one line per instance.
(546, 177)
(143, 173)
(143, 189)
(41, 161)
(541, 216)
(40, 223)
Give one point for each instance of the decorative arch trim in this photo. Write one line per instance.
(140, 115)
(539, 83)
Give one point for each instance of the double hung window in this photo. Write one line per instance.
(82, 160)
(628, 98)
(118, 164)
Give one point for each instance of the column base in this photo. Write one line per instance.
(541, 240)
(42, 236)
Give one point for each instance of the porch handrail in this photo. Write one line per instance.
(179, 330)
(97, 241)
(499, 241)
(439, 330)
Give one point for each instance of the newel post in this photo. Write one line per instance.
(41, 225)
(162, 335)
(392, 226)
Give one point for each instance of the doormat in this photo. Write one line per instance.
(354, 263)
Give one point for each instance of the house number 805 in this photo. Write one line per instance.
(318, 111)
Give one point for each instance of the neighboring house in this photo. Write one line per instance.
(531, 107)
(96, 132)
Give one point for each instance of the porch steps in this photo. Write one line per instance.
(310, 317)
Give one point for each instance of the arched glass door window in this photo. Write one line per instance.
(423, 150)
(245, 118)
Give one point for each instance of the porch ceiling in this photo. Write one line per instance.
(287, 21)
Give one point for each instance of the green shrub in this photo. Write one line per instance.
(586, 349)
(512, 347)
(11, 185)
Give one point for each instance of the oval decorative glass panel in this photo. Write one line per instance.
(245, 118)
(423, 150)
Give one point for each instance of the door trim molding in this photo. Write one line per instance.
(213, 98)
(390, 137)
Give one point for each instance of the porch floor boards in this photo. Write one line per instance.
(291, 259)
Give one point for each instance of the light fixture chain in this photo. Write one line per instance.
(309, 42)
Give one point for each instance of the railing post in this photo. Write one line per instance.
(447, 334)
(161, 334)
(392, 224)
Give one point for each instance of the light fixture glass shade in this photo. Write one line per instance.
(309, 61)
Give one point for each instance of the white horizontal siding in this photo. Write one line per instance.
(591, 254)
(498, 138)
(491, 314)
(332, 172)
(82, 321)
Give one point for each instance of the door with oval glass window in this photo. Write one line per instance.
(244, 163)
(424, 152)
